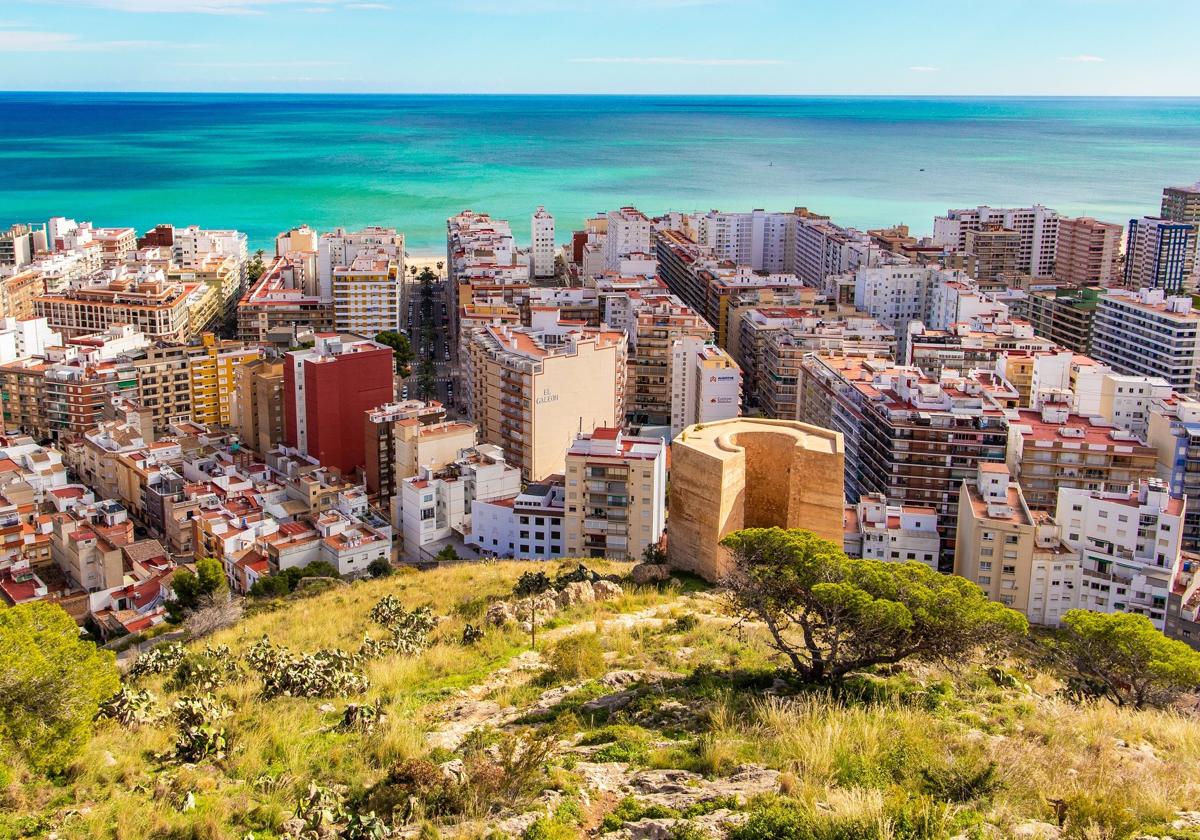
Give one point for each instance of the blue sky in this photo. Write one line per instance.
(979, 47)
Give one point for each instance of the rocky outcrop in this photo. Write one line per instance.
(644, 573)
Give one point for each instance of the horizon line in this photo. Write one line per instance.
(176, 92)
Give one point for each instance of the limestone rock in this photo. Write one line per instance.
(606, 590)
(578, 592)
(499, 614)
(1035, 830)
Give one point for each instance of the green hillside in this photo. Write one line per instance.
(648, 714)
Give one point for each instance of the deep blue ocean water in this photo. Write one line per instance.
(263, 163)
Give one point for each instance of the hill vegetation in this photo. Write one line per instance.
(398, 707)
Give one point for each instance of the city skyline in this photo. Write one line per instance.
(1054, 48)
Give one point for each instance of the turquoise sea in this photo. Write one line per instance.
(263, 163)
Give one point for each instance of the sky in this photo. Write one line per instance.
(797, 47)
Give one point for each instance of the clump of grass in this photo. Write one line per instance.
(577, 657)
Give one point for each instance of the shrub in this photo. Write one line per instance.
(199, 738)
(51, 683)
(159, 660)
(326, 673)
(578, 657)
(379, 568)
(961, 782)
(130, 708)
(205, 671)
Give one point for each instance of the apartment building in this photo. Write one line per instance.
(213, 366)
(482, 260)
(282, 301)
(18, 244)
(18, 294)
(259, 420)
(528, 525)
(877, 530)
(1183, 602)
(339, 248)
(758, 239)
(1129, 545)
(658, 323)
(436, 505)
(616, 490)
(1038, 227)
(1126, 401)
(708, 286)
(541, 231)
(1065, 316)
(913, 438)
(86, 543)
(1161, 254)
(144, 299)
(367, 293)
(627, 234)
(975, 343)
(1014, 554)
(22, 339)
(1174, 432)
(1147, 333)
(531, 390)
(995, 249)
(896, 295)
(771, 341)
(1087, 251)
(706, 384)
(326, 390)
(823, 249)
(1051, 448)
(404, 436)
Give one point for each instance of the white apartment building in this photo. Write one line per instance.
(22, 339)
(1037, 225)
(761, 240)
(367, 293)
(877, 530)
(897, 295)
(1125, 401)
(528, 525)
(339, 247)
(1146, 333)
(628, 233)
(541, 231)
(1128, 543)
(435, 505)
(822, 249)
(706, 384)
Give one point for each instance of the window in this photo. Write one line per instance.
(427, 513)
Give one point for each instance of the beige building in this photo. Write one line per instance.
(659, 324)
(146, 300)
(996, 249)
(751, 473)
(532, 390)
(616, 487)
(1014, 554)
(1087, 251)
(259, 385)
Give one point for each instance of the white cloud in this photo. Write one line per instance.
(218, 7)
(1082, 59)
(674, 60)
(924, 68)
(368, 7)
(34, 41)
(258, 64)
